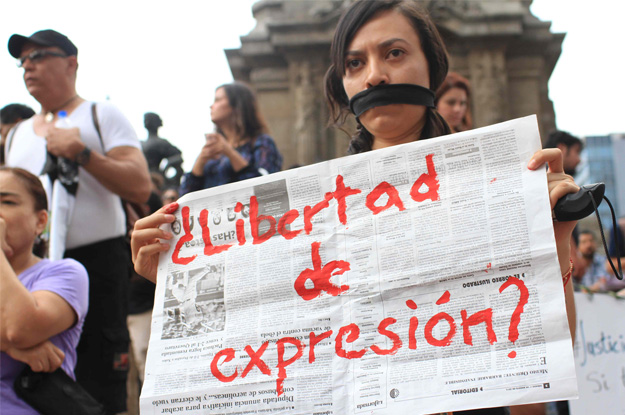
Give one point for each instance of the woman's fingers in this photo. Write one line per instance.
(560, 187)
(145, 241)
(551, 156)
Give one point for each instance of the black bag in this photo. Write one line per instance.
(55, 394)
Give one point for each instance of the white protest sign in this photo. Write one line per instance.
(415, 279)
(599, 355)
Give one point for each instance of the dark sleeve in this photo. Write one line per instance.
(265, 156)
(613, 250)
(191, 183)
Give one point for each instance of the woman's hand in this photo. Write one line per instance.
(216, 145)
(3, 242)
(146, 239)
(44, 357)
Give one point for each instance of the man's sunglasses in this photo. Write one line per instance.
(37, 56)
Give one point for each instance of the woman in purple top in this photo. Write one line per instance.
(43, 303)
(239, 149)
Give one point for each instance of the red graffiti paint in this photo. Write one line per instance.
(285, 220)
(209, 248)
(320, 277)
(187, 237)
(430, 179)
(353, 332)
(340, 194)
(444, 298)
(377, 192)
(313, 340)
(484, 316)
(429, 327)
(229, 355)
(310, 212)
(282, 364)
(382, 329)
(513, 332)
(255, 221)
(414, 325)
(240, 224)
(255, 360)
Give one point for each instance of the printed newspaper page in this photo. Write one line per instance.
(411, 280)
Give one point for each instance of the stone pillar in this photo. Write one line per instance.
(488, 77)
(307, 135)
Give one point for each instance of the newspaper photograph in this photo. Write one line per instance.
(415, 279)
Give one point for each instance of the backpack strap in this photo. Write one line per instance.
(9, 141)
(96, 123)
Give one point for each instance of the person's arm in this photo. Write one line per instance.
(266, 157)
(216, 145)
(44, 357)
(145, 241)
(29, 318)
(122, 170)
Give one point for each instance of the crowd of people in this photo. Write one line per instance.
(79, 310)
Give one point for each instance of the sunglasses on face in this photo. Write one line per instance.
(37, 56)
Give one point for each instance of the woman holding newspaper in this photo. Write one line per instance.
(387, 59)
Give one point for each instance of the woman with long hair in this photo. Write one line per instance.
(239, 149)
(43, 303)
(387, 59)
(392, 45)
(453, 102)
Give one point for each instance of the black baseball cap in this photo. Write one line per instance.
(46, 37)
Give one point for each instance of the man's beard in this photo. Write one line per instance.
(589, 256)
(570, 171)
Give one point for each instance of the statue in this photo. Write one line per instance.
(161, 155)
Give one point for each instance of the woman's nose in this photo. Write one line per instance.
(377, 74)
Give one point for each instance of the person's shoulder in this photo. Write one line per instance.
(263, 140)
(67, 265)
(106, 109)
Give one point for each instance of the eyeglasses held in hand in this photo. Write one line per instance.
(37, 56)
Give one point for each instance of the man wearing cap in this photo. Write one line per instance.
(100, 147)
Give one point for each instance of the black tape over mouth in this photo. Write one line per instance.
(389, 94)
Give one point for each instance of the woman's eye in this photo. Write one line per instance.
(352, 64)
(395, 53)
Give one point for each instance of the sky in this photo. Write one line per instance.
(168, 57)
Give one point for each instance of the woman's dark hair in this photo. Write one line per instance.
(432, 45)
(34, 187)
(248, 121)
(455, 80)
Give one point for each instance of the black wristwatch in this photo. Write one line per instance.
(83, 157)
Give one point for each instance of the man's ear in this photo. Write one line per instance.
(73, 63)
(563, 148)
(42, 220)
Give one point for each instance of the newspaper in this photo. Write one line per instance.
(415, 279)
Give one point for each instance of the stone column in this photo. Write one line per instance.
(487, 68)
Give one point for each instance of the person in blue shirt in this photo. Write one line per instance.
(239, 149)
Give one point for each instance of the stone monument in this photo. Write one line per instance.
(506, 53)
